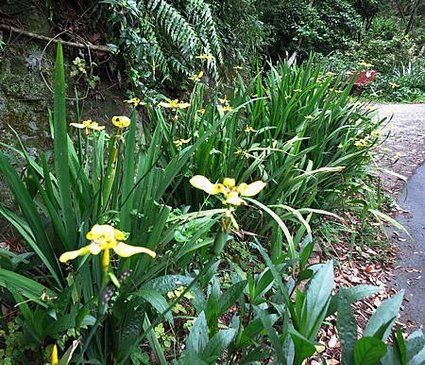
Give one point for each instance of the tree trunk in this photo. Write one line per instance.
(409, 27)
(400, 10)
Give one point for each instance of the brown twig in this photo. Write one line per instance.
(44, 38)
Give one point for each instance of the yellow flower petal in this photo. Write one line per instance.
(121, 121)
(205, 56)
(77, 125)
(173, 104)
(197, 77)
(71, 255)
(251, 189)
(230, 183)
(104, 231)
(233, 198)
(226, 108)
(124, 250)
(97, 127)
(202, 183)
(105, 260)
(120, 236)
(224, 100)
(54, 359)
(134, 101)
(181, 142)
(94, 248)
(183, 105)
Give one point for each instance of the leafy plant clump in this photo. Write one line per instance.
(114, 275)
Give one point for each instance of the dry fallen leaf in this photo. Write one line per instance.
(333, 341)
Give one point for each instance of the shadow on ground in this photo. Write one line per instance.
(409, 274)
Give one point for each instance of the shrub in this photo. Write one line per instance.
(320, 26)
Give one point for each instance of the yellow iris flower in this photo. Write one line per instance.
(205, 56)
(120, 121)
(249, 129)
(174, 104)
(181, 142)
(225, 108)
(362, 142)
(228, 188)
(365, 64)
(135, 101)
(197, 77)
(87, 125)
(104, 238)
(394, 85)
(224, 100)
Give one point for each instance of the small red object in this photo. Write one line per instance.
(364, 78)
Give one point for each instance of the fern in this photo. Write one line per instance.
(200, 14)
(170, 36)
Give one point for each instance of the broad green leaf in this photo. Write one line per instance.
(154, 342)
(198, 337)
(385, 315)
(277, 277)
(352, 295)
(217, 345)
(28, 288)
(347, 326)
(157, 301)
(254, 328)
(130, 331)
(268, 322)
(255, 356)
(396, 355)
(414, 345)
(368, 351)
(317, 299)
(166, 283)
(304, 348)
(400, 346)
(230, 297)
(418, 359)
(60, 145)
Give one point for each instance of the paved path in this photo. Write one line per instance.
(406, 151)
(404, 148)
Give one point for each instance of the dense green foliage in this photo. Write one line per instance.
(159, 40)
(114, 310)
(305, 26)
(275, 131)
(225, 188)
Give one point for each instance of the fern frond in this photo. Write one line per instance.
(154, 48)
(182, 34)
(201, 15)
